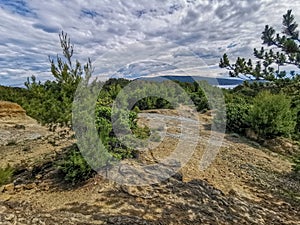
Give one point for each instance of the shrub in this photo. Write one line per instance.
(6, 175)
(271, 115)
(142, 132)
(74, 167)
(237, 117)
(237, 110)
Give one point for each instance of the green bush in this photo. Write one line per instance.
(237, 110)
(237, 117)
(142, 132)
(271, 115)
(6, 175)
(74, 167)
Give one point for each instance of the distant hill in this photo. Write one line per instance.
(213, 81)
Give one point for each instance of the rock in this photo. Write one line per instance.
(18, 181)
(30, 186)
(9, 217)
(35, 220)
(19, 126)
(19, 187)
(9, 188)
(2, 209)
(235, 135)
(251, 134)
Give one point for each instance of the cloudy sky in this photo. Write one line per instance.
(132, 37)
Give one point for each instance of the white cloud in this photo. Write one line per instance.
(115, 34)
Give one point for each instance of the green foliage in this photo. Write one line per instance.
(6, 175)
(237, 110)
(197, 94)
(142, 132)
(125, 120)
(283, 49)
(271, 115)
(52, 101)
(74, 167)
(14, 94)
(296, 166)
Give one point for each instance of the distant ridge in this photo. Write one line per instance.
(190, 79)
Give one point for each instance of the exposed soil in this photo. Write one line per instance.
(245, 184)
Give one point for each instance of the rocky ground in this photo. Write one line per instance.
(245, 184)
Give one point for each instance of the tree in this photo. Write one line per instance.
(52, 101)
(283, 49)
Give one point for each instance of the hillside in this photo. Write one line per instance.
(245, 184)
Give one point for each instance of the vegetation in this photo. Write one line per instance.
(270, 61)
(262, 106)
(296, 166)
(6, 175)
(74, 167)
(257, 106)
(271, 115)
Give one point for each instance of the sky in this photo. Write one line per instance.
(131, 38)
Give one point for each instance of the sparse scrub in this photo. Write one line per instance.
(6, 174)
(74, 166)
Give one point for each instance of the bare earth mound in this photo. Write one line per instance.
(11, 110)
(16, 126)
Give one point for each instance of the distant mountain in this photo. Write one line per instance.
(222, 82)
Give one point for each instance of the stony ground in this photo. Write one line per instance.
(245, 184)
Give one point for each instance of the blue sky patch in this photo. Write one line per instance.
(89, 13)
(19, 6)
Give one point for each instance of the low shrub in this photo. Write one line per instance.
(271, 115)
(6, 175)
(74, 167)
(237, 117)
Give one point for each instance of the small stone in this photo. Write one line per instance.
(101, 190)
(9, 188)
(232, 192)
(19, 187)
(30, 186)
(235, 135)
(1, 189)
(9, 217)
(35, 220)
(216, 192)
(20, 126)
(18, 181)
(273, 154)
(39, 176)
(2, 209)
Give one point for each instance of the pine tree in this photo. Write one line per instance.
(282, 49)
